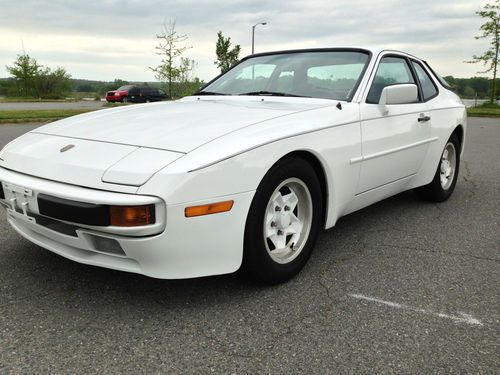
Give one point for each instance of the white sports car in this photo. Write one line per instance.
(244, 173)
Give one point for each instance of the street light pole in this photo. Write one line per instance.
(253, 34)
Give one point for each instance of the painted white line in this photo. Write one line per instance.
(460, 318)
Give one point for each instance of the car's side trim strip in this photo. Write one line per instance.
(392, 150)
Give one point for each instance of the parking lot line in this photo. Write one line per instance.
(460, 318)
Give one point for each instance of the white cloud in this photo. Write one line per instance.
(115, 39)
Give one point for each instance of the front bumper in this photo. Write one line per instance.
(186, 247)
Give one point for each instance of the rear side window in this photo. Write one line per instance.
(390, 71)
(428, 88)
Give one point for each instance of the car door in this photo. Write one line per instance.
(394, 137)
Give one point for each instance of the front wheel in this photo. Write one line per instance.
(283, 222)
(445, 179)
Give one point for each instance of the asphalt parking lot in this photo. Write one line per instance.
(401, 286)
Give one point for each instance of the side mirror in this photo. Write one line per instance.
(399, 94)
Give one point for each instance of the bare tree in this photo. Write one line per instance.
(490, 29)
(170, 49)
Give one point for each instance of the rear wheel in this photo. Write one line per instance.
(124, 99)
(283, 222)
(445, 179)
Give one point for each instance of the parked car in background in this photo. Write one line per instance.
(139, 94)
(119, 95)
(244, 173)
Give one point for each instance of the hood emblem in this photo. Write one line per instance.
(66, 148)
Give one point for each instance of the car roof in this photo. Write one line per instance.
(374, 50)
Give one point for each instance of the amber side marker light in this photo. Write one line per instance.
(132, 216)
(208, 209)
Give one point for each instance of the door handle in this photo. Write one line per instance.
(423, 118)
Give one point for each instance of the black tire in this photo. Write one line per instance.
(435, 192)
(257, 262)
(124, 99)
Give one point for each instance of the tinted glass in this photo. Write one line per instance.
(391, 71)
(428, 88)
(322, 74)
(125, 88)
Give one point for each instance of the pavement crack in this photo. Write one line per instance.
(469, 178)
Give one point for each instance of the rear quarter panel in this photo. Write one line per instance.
(447, 112)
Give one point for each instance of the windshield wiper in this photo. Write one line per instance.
(273, 93)
(209, 93)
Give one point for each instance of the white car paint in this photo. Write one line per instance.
(204, 149)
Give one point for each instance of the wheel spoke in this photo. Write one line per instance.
(291, 200)
(278, 200)
(295, 226)
(279, 242)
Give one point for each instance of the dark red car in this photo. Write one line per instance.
(119, 95)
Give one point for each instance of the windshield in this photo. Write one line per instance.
(124, 88)
(318, 74)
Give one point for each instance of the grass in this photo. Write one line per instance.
(39, 115)
(33, 100)
(484, 110)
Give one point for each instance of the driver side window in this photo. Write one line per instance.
(390, 71)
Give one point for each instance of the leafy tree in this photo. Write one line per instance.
(25, 71)
(186, 76)
(226, 56)
(52, 83)
(490, 29)
(169, 48)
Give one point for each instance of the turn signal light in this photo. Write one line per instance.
(132, 216)
(208, 209)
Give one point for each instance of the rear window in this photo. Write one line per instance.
(441, 80)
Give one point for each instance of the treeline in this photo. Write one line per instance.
(468, 88)
(29, 79)
(10, 87)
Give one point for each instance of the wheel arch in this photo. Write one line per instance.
(320, 172)
(459, 131)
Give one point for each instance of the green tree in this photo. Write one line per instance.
(186, 76)
(52, 84)
(25, 72)
(226, 56)
(490, 29)
(170, 49)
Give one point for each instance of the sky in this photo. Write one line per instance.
(108, 39)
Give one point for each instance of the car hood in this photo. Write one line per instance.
(179, 126)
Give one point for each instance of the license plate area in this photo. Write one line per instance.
(20, 216)
(19, 200)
